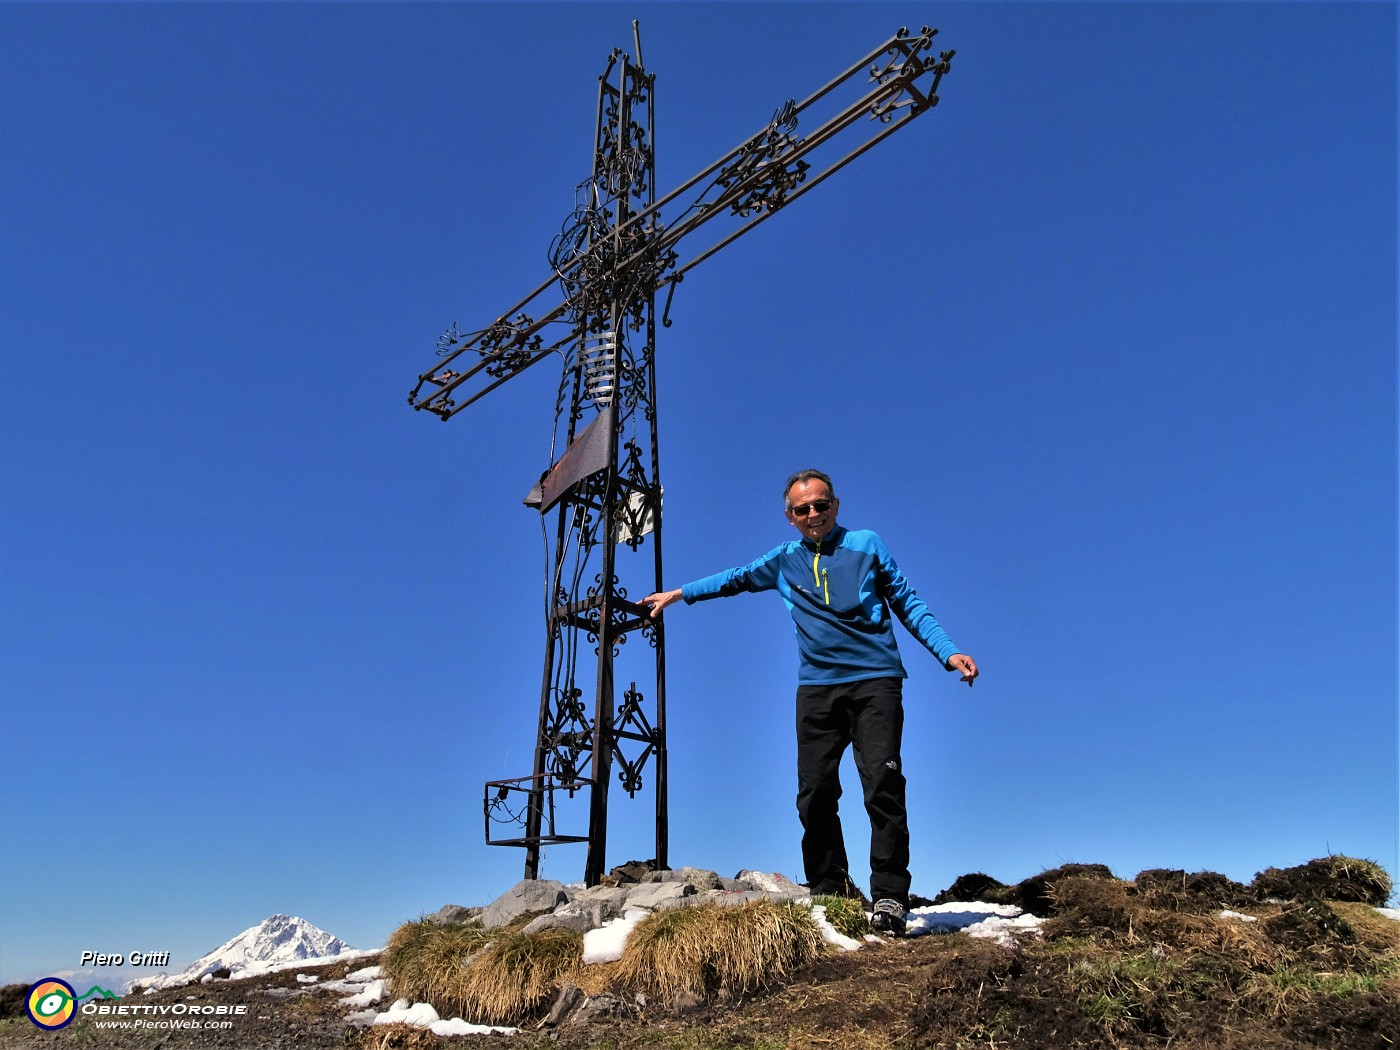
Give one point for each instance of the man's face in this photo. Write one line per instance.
(809, 496)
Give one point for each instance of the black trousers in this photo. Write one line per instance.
(830, 718)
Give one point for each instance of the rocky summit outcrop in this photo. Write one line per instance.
(634, 886)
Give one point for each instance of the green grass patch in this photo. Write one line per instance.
(845, 914)
(1143, 988)
(1343, 985)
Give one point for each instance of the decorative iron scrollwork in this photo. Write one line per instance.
(630, 715)
(632, 722)
(758, 178)
(569, 735)
(449, 339)
(507, 347)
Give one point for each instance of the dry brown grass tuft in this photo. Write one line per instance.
(697, 950)
(517, 975)
(424, 961)
(1373, 931)
(487, 976)
(1242, 943)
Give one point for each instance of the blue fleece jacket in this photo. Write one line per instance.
(840, 594)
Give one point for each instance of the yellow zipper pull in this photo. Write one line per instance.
(825, 593)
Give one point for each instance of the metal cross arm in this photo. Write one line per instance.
(898, 81)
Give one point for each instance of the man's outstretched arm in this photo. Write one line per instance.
(760, 575)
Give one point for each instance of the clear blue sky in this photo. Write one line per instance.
(1104, 347)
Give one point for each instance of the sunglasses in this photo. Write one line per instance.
(821, 506)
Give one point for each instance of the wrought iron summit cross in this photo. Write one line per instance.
(597, 311)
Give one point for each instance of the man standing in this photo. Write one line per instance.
(841, 587)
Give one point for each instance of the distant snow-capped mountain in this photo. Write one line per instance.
(276, 941)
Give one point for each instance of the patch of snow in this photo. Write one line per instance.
(1390, 913)
(456, 1026)
(605, 944)
(831, 934)
(997, 922)
(307, 978)
(421, 1015)
(1228, 914)
(369, 995)
(274, 966)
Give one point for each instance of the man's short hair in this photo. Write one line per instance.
(806, 475)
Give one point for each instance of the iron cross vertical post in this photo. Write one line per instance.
(607, 487)
(610, 261)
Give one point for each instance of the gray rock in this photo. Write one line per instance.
(613, 896)
(721, 897)
(570, 995)
(651, 895)
(600, 1008)
(778, 885)
(575, 915)
(527, 895)
(697, 877)
(693, 900)
(452, 913)
(744, 896)
(549, 921)
(595, 912)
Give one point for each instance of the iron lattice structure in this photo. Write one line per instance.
(619, 249)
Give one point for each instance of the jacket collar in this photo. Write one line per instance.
(829, 542)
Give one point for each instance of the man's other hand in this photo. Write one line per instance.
(958, 662)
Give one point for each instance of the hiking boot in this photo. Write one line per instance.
(888, 917)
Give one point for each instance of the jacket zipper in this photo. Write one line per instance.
(820, 581)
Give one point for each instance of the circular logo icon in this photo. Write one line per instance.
(51, 1003)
